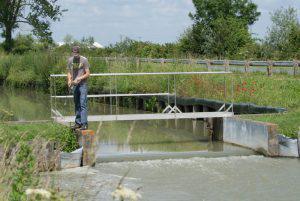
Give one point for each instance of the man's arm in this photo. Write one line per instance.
(69, 78)
(85, 75)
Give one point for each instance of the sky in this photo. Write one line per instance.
(158, 21)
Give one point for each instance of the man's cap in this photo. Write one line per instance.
(76, 49)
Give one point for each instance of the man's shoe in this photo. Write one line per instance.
(84, 127)
(75, 126)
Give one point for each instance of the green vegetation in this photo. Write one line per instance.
(22, 147)
(15, 133)
(38, 15)
(283, 38)
(220, 27)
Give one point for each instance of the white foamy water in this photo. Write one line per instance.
(227, 178)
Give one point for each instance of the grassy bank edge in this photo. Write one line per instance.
(288, 122)
(49, 131)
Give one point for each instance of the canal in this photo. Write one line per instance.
(168, 159)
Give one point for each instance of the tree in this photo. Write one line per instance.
(88, 42)
(294, 42)
(228, 36)
(208, 11)
(23, 43)
(220, 27)
(283, 33)
(68, 39)
(37, 14)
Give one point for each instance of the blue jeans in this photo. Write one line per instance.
(80, 100)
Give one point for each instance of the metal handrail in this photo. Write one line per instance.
(150, 73)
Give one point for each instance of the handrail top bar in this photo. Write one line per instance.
(150, 73)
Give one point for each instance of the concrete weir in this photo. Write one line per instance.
(259, 136)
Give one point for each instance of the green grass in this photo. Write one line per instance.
(14, 133)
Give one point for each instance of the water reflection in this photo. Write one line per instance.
(25, 104)
(120, 138)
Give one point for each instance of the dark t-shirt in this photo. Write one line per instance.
(77, 67)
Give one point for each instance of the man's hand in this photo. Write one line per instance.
(70, 83)
(76, 81)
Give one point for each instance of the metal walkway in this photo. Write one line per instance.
(155, 116)
(168, 113)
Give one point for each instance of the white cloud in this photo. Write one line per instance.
(77, 1)
(97, 11)
(153, 20)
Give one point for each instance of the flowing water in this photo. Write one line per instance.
(169, 160)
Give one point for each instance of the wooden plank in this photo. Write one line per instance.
(133, 117)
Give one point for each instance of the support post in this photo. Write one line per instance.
(191, 62)
(269, 68)
(138, 63)
(298, 142)
(89, 148)
(162, 61)
(208, 64)
(226, 62)
(296, 66)
(247, 66)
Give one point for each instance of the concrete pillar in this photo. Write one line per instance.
(217, 129)
(89, 147)
(259, 136)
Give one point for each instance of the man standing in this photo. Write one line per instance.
(78, 72)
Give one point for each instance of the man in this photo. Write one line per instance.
(78, 73)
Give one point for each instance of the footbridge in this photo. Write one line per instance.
(171, 111)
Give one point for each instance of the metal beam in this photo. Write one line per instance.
(150, 73)
(134, 117)
(116, 95)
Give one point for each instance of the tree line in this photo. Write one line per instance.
(220, 29)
